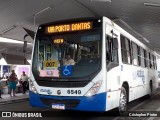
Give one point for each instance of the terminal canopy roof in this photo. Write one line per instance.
(14, 59)
(21, 17)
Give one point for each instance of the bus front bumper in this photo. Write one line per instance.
(81, 103)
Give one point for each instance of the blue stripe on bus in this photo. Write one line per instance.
(94, 103)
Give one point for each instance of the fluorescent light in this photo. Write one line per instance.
(152, 4)
(29, 61)
(101, 0)
(145, 39)
(3, 61)
(6, 40)
(8, 29)
(40, 12)
(45, 9)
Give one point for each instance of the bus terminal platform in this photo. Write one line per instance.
(7, 99)
(5, 93)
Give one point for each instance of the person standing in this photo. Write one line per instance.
(24, 79)
(12, 83)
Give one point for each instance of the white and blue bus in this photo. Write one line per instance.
(111, 66)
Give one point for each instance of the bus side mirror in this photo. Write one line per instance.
(115, 43)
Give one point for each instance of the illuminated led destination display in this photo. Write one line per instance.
(58, 41)
(69, 27)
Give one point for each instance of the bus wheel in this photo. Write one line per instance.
(123, 101)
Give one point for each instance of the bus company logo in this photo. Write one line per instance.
(58, 92)
(6, 114)
(46, 90)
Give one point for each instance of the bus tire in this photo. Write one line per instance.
(122, 101)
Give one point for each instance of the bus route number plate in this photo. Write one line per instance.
(58, 106)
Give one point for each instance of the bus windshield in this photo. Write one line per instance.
(67, 55)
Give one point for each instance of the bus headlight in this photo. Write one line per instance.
(94, 89)
(33, 88)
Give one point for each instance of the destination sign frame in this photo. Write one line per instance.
(69, 27)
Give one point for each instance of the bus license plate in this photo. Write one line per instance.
(58, 106)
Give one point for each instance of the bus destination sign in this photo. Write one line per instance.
(58, 41)
(70, 27)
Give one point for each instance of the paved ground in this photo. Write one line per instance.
(150, 107)
(6, 98)
(21, 104)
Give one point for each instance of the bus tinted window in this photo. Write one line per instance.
(135, 54)
(80, 51)
(142, 58)
(150, 64)
(112, 54)
(152, 61)
(145, 60)
(125, 49)
(155, 62)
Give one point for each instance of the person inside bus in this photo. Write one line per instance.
(68, 60)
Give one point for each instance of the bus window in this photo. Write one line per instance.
(48, 51)
(115, 50)
(150, 64)
(108, 49)
(125, 50)
(41, 52)
(142, 58)
(145, 58)
(139, 58)
(155, 62)
(83, 47)
(135, 54)
(111, 50)
(152, 61)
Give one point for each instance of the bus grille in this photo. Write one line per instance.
(69, 103)
(62, 84)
